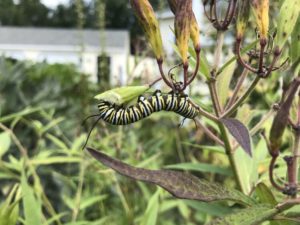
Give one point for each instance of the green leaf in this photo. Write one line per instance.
(122, 95)
(245, 114)
(179, 184)
(4, 143)
(250, 216)
(204, 66)
(247, 169)
(56, 141)
(239, 132)
(216, 149)
(56, 160)
(9, 210)
(201, 167)
(32, 207)
(151, 213)
(287, 19)
(212, 208)
(223, 82)
(22, 113)
(265, 195)
(87, 202)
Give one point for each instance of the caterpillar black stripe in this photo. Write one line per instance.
(117, 115)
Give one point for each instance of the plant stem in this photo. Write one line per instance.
(234, 107)
(296, 153)
(209, 133)
(217, 108)
(229, 153)
(218, 52)
(237, 88)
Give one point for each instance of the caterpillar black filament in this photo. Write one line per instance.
(118, 115)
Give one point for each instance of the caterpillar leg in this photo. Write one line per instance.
(182, 122)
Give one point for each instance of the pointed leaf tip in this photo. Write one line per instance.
(240, 132)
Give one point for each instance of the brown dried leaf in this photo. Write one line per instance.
(179, 184)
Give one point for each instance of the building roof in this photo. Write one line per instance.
(62, 37)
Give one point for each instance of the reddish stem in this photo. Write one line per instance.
(170, 84)
(197, 50)
(244, 64)
(271, 172)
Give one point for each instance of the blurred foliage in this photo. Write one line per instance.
(42, 107)
(46, 178)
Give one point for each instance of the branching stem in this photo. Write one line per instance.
(217, 108)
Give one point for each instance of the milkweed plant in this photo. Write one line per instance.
(272, 50)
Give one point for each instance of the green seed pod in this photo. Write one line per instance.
(261, 13)
(287, 19)
(122, 95)
(194, 28)
(145, 14)
(242, 18)
(281, 119)
(182, 27)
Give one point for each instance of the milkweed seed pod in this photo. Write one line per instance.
(281, 119)
(242, 18)
(183, 27)
(286, 22)
(194, 27)
(261, 13)
(145, 14)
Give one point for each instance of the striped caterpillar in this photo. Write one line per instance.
(145, 106)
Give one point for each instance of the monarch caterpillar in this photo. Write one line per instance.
(145, 106)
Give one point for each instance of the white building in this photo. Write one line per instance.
(81, 48)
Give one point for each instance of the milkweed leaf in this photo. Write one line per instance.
(180, 185)
(249, 216)
(241, 134)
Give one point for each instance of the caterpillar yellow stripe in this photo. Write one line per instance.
(145, 106)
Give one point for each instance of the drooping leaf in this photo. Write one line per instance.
(239, 132)
(250, 216)
(179, 184)
(122, 95)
